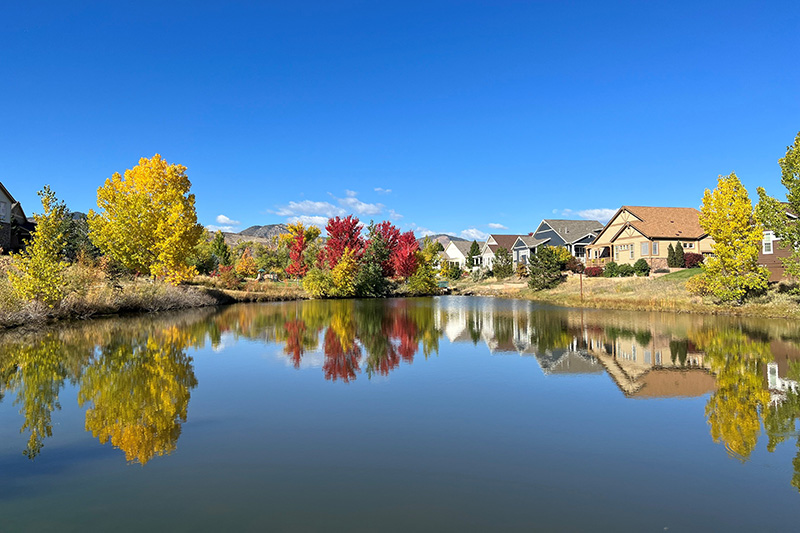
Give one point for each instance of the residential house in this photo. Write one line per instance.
(14, 226)
(494, 243)
(772, 252)
(574, 235)
(636, 232)
(456, 253)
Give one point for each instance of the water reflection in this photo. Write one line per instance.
(135, 376)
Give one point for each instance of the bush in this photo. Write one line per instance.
(479, 275)
(319, 283)
(574, 265)
(228, 277)
(593, 271)
(611, 270)
(661, 271)
(641, 268)
(454, 272)
(693, 260)
(698, 285)
(625, 271)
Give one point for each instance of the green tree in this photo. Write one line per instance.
(503, 263)
(38, 272)
(370, 281)
(423, 281)
(221, 250)
(671, 256)
(474, 251)
(544, 269)
(680, 260)
(772, 213)
(147, 220)
(727, 216)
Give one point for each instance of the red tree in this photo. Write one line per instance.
(339, 364)
(404, 257)
(343, 233)
(297, 268)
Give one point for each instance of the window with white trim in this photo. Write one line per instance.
(645, 248)
(655, 248)
(688, 245)
(766, 242)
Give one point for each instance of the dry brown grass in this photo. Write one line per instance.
(639, 294)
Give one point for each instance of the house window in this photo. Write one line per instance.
(631, 247)
(688, 245)
(616, 253)
(655, 248)
(645, 248)
(766, 242)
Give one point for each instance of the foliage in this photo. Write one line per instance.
(147, 220)
(274, 258)
(698, 286)
(563, 256)
(38, 272)
(344, 274)
(692, 260)
(611, 270)
(246, 265)
(221, 250)
(390, 235)
(479, 274)
(593, 271)
(680, 256)
(727, 216)
(522, 269)
(641, 268)
(343, 233)
(370, 279)
(76, 237)
(574, 264)
(474, 251)
(625, 270)
(772, 214)
(671, 256)
(423, 281)
(319, 283)
(544, 269)
(503, 263)
(228, 277)
(404, 258)
(298, 239)
(203, 258)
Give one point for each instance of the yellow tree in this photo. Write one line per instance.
(38, 270)
(246, 266)
(727, 216)
(147, 220)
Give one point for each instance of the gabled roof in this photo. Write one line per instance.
(662, 222)
(503, 241)
(530, 241)
(2, 188)
(573, 230)
(461, 246)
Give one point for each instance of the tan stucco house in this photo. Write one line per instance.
(636, 232)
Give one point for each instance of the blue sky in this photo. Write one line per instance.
(460, 117)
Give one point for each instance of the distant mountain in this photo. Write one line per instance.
(265, 232)
(442, 238)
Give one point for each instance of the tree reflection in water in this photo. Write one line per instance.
(135, 377)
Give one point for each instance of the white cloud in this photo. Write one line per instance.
(310, 220)
(359, 207)
(308, 207)
(381, 190)
(227, 229)
(222, 219)
(495, 225)
(350, 194)
(394, 214)
(474, 234)
(602, 214)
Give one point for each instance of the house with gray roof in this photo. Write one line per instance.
(456, 252)
(574, 235)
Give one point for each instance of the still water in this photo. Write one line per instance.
(451, 413)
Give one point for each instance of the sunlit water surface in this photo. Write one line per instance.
(450, 413)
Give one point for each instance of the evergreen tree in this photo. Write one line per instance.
(370, 281)
(671, 256)
(544, 269)
(474, 251)
(680, 260)
(503, 264)
(221, 250)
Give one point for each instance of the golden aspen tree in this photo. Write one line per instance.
(727, 216)
(147, 220)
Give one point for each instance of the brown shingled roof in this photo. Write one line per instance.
(667, 222)
(503, 241)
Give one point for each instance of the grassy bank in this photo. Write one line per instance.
(665, 293)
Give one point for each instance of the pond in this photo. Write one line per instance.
(450, 413)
